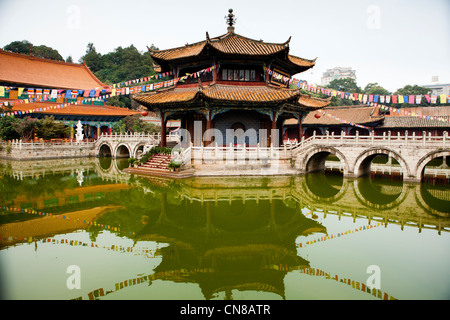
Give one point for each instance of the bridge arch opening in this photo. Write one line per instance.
(326, 160)
(325, 187)
(378, 193)
(436, 197)
(139, 151)
(433, 168)
(105, 151)
(123, 152)
(381, 162)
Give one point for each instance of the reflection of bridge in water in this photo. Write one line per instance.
(391, 202)
(107, 169)
(419, 205)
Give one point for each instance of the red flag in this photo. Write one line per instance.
(394, 99)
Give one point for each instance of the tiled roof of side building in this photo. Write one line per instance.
(31, 71)
(414, 122)
(355, 114)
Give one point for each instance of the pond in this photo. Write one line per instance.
(83, 229)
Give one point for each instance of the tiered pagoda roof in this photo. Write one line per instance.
(229, 94)
(232, 44)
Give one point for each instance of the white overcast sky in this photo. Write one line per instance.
(392, 42)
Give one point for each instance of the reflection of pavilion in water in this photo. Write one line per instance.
(227, 233)
(229, 245)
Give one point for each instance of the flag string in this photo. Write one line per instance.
(370, 99)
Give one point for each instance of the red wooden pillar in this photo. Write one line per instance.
(163, 129)
(274, 127)
(300, 129)
(215, 73)
(208, 127)
(274, 121)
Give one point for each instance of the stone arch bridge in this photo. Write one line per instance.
(356, 153)
(128, 145)
(124, 145)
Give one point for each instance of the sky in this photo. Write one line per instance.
(391, 42)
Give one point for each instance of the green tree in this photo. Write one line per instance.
(25, 127)
(124, 64)
(48, 128)
(7, 128)
(47, 53)
(375, 88)
(412, 90)
(134, 124)
(92, 58)
(69, 59)
(23, 47)
(345, 85)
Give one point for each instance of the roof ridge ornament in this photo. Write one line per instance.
(231, 21)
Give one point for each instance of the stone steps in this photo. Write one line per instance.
(158, 162)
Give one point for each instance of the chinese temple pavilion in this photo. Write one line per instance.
(240, 91)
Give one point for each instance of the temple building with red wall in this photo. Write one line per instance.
(27, 78)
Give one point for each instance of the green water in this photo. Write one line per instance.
(246, 238)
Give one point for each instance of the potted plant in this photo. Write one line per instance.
(174, 166)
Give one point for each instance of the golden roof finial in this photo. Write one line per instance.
(231, 21)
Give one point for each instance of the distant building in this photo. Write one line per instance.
(438, 89)
(337, 73)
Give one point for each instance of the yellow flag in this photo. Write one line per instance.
(19, 90)
(400, 99)
(443, 98)
(2, 91)
(360, 97)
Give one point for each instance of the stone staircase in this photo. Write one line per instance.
(158, 163)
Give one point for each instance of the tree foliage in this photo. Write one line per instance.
(7, 130)
(412, 90)
(23, 47)
(120, 65)
(345, 85)
(47, 53)
(375, 88)
(48, 128)
(40, 51)
(134, 124)
(25, 127)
